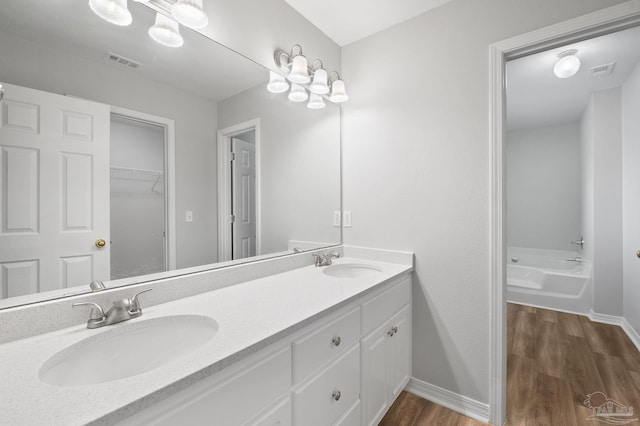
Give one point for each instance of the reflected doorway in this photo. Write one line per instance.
(243, 195)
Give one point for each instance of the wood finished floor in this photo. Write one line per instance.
(554, 360)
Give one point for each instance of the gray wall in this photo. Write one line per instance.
(602, 223)
(543, 187)
(299, 165)
(417, 167)
(631, 197)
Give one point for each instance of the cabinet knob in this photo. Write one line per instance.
(336, 395)
(638, 253)
(336, 341)
(393, 331)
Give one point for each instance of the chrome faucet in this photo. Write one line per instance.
(574, 259)
(579, 242)
(326, 258)
(121, 310)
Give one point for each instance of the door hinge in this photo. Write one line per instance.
(233, 156)
(233, 218)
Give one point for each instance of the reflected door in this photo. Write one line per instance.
(54, 192)
(243, 189)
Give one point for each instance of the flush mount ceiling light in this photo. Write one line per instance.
(568, 64)
(114, 11)
(277, 83)
(190, 13)
(295, 66)
(166, 31)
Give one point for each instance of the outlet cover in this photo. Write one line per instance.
(346, 219)
(336, 218)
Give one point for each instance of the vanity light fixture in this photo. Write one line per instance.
(567, 65)
(166, 31)
(190, 13)
(277, 83)
(315, 102)
(297, 93)
(294, 65)
(114, 11)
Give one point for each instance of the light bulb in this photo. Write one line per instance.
(277, 83)
(568, 64)
(338, 92)
(166, 31)
(299, 73)
(319, 85)
(190, 13)
(315, 102)
(114, 11)
(297, 93)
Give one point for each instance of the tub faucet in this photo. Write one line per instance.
(579, 242)
(326, 258)
(121, 310)
(574, 259)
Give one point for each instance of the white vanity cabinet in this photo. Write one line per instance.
(345, 369)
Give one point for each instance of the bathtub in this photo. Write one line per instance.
(544, 278)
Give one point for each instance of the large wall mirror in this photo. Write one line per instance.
(123, 160)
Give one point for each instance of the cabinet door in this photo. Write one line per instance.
(374, 388)
(399, 343)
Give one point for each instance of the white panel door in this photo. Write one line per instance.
(243, 184)
(54, 191)
(399, 362)
(374, 388)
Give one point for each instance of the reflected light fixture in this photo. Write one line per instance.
(338, 91)
(297, 93)
(190, 13)
(114, 11)
(567, 65)
(277, 83)
(315, 102)
(166, 31)
(319, 85)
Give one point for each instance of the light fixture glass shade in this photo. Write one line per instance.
(114, 11)
(277, 83)
(319, 85)
(315, 102)
(297, 93)
(338, 92)
(166, 31)
(299, 73)
(190, 13)
(567, 66)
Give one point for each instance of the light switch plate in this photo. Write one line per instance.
(336, 218)
(346, 219)
(188, 216)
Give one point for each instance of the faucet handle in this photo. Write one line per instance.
(135, 304)
(95, 306)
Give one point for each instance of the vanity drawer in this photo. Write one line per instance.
(318, 403)
(323, 345)
(351, 417)
(277, 415)
(382, 307)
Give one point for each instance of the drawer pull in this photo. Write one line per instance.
(336, 341)
(336, 395)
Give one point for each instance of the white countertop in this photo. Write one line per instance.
(250, 316)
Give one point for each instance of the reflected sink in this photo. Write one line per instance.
(128, 350)
(352, 270)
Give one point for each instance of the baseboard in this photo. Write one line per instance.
(454, 401)
(631, 332)
(619, 321)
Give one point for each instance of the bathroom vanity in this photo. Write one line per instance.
(311, 345)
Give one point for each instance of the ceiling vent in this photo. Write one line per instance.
(601, 70)
(121, 60)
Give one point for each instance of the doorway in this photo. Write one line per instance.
(599, 23)
(141, 194)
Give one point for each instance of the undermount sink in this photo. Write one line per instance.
(352, 270)
(128, 350)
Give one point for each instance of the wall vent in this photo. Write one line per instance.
(121, 60)
(601, 70)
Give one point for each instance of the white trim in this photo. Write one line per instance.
(605, 319)
(580, 28)
(224, 186)
(631, 332)
(170, 175)
(454, 401)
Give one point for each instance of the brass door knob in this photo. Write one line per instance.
(100, 243)
(638, 253)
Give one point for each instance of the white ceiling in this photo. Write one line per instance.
(346, 21)
(536, 97)
(201, 66)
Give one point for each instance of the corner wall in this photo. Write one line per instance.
(416, 164)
